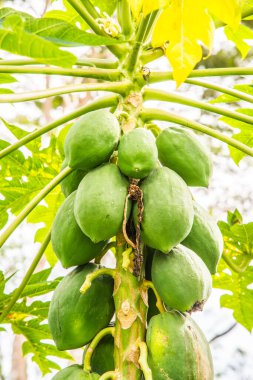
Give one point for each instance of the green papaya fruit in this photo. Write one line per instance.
(91, 140)
(205, 238)
(74, 318)
(178, 349)
(100, 202)
(179, 150)
(181, 279)
(71, 182)
(137, 153)
(168, 210)
(70, 244)
(103, 357)
(75, 372)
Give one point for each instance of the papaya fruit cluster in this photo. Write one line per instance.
(182, 244)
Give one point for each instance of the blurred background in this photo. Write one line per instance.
(231, 187)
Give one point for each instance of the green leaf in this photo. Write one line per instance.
(245, 135)
(239, 37)
(14, 39)
(7, 78)
(238, 247)
(107, 6)
(70, 15)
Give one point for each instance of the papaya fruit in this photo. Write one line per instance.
(179, 150)
(102, 359)
(75, 372)
(137, 153)
(71, 182)
(74, 318)
(181, 279)
(205, 238)
(100, 202)
(178, 349)
(91, 140)
(70, 244)
(168, 210)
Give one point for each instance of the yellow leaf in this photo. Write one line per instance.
(184, 25)
(136, 7)
(151, 5)
(183, 57)
(228, 11)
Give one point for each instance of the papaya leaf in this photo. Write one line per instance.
(228, 11)
(239, 38)
(14, 39)
(70, 15)
(57, 31)
(30, 321)
(7, 78)
(245, 135)
(224, 98)
(184, 34)
(238, 247)
(107, 6)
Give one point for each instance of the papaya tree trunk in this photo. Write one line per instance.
(130, 299)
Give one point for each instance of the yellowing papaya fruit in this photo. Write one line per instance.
(205, 238)
(71, 182)
(179, 150)
(100, 202)
(74, 318)
(75, 372)
(178, 349)
(91, 140)
(102, 359)
(168, 210)
(137, 153)
(181, 279)
(70, 244)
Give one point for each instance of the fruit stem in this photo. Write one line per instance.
(117, 87)
(155, 114)
(159, 302)
(18, 292)
(104, 102)
(236, 268)
(153, 94)
(108, 375)
(107, 248)
(143, 361)
(151, 55)
(86, 16)
(92, 276)
(92, 346)
(33, 203)
(213, 86)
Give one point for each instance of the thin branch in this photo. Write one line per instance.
(95, 62)
(213, 86)
(95, 73)
(97, 104)
(33, 203)
(117, 87)
(152, 94)
(151, 55)
(161, 76)
(155, 114)
(108, 375)
(18, 292)
(159, 302)
(236, 268)
(223, 333)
